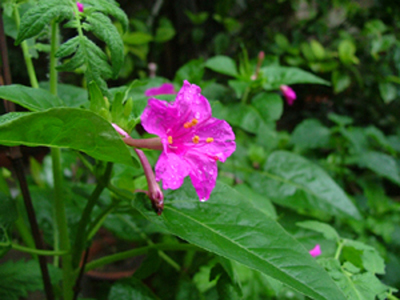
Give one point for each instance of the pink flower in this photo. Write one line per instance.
(288, 93)
(316, 251)
(80, 6)
(164, 89)
(193, 141)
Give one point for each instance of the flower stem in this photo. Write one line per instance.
(339, 249)
(32, 251)
(25, 52)
(152, 143)
(62, 225)
(82, 233)
(139, 251)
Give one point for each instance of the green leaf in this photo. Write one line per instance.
(260, 202)
(77, 129)
(244, 116)
(293, 181)
(317, 49)
(40, 15)
(197, 19)
(110, 7)
(30, 98)
(340, 81)
(277, 76)
(269, 105)
(89, 54)
(222, 64)
(388, 91)
(310, 134)
(192, 71)
(165, 31)
(131, 289)
(363, 256)
(71, 96)
(137, 38)
(381, 163)
(356, 287)
(20, 277)
(347, 51)
(237, 231)
(328, 231)
(98, 103)
(102, 27)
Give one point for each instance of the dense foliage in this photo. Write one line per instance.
(306, 202)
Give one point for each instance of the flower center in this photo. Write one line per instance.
(191, 123)
(196, 139)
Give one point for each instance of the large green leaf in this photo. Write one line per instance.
(381, 163)
(293, 181)
(72, 128)
(228, 225)
(277, 76)
(222, 64)
(35, 20)
(30, 98)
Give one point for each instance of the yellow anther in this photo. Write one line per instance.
(194, 122)
(209, 140)
(196, 139)
(187, 125)
(170, 140)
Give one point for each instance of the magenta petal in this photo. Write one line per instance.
(158, 117)
(192, 105)
(172, 170)
(316, 251)
(203, 174)
(164, 89)
(223, 144)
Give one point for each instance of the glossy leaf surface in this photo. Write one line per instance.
(293, 181)
(72, 128)
(30, 98)
(228, 225)
(276, 76)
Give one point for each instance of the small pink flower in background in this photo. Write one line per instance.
(80, 6)
(164, 89)
(316, 251)
(192, 139)
(288, 93)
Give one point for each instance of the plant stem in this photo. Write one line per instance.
(339, 249)
(62, 225)
(53, 90)
(94, 227)
(25, 52)
(33, 251)
(245, 95)
(82, 233)
(161, 253)
(139, 251)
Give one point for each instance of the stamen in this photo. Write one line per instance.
(194, 122)
(170, 140)
(196, 139)
(209, 140)
(187, 125)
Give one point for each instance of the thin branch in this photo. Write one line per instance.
(16, 158)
